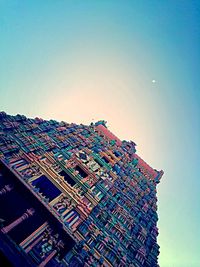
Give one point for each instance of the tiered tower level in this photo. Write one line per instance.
(74, 195)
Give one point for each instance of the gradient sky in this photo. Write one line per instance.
(80, 61)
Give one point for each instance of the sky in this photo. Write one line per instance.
(132, 63)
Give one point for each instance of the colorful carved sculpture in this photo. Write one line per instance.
(97, 196)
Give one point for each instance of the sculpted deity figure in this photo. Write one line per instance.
(63, 203)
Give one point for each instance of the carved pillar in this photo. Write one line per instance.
(7, 188)
(59, 245)
(51, 255)
(26, 215)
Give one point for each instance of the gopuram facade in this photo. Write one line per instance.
(74, 195)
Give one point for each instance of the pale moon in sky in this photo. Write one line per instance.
(153, 81)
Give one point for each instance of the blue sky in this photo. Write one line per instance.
(88, 60)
